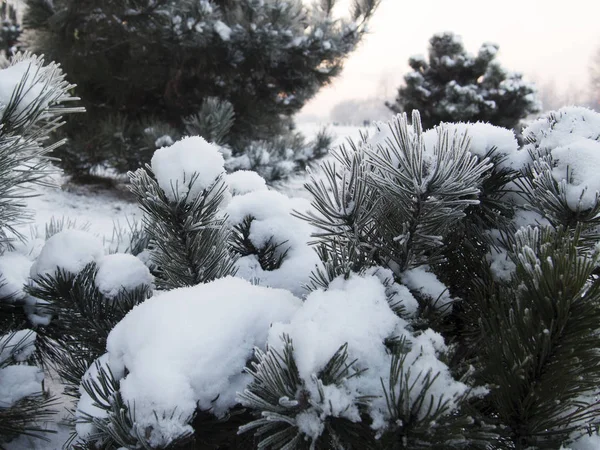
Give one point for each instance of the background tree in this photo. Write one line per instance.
(455, 86)
(150, 71)
(10, 29)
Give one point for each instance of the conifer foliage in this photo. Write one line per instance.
(455, 86)
(233, 72)
(439, 290)
(33, 97)
(452, 301)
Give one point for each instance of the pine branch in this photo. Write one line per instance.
(188, 237)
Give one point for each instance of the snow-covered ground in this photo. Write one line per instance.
(102, 210)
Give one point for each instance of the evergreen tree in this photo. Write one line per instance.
(232, 71)
(454, 86)
(32, 100)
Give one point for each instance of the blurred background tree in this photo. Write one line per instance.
(455, 86)
(149, 71)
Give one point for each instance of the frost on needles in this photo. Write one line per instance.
(33, 97)
(438, 290)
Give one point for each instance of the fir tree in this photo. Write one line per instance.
(33, 99)
(454, 86)
(152, 71)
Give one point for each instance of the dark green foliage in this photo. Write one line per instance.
(148, 64)
(539, 342)
(279, 393)
(372, 203)
(454, 86)
(82, 318)
(213, 122)
(188, 237)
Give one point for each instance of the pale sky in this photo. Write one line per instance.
(546, 40)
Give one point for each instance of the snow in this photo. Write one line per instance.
(69, 250)
(14, 273)
(483, 138)
(17, 346)
(355, 311)
(86, 406)
(273, 221)
(18, 382)
(122, 271)
(223, 30)
(572, 138)
(501, 265)
(244, 182)
(11, 77)
(175, 166)
(398, 294)
(186, 348)
(422, 280)
(587, 442)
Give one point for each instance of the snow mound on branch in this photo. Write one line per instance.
(122, 271)
(356, 312)
(422, 280)
(273, 222)
(18, 381)
(245, 181)
(398, 294)
(14, 273)
(571, 136)
(191, 158)
(69, 250)
(187, 348)
(484, 137)
(22, 73)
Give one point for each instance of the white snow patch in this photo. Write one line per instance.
(245, 181)
(189, 158)
(572, 136)
(273, 221)
(69, 250)
(422, 280)
(122, 271)
(187, 348)
(14, 273)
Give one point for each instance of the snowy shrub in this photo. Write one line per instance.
(430, 294)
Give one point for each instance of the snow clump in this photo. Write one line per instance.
(570, 135)
(273, 222)
(189, 159)
(122, 271)
(186, 349)
(69, 250)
